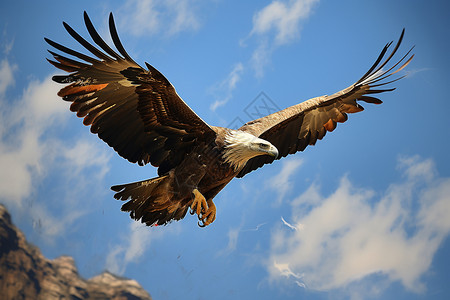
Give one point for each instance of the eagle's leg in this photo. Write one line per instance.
(205, 209)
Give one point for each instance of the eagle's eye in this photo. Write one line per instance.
(263, 146)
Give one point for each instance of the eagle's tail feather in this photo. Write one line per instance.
(151, 201)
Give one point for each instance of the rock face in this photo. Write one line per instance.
(26, 274)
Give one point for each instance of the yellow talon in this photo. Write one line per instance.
(199, 203)
(210, 215)
(205, 209)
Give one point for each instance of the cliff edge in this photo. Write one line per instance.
(26, 274)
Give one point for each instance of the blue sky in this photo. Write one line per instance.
(361, 215)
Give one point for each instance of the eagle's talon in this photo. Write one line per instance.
(199, 205)
(209, 215)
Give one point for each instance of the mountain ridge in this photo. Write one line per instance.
(26, 274)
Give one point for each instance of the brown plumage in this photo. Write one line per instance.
(138, 113)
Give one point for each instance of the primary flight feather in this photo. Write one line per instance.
(139, 114)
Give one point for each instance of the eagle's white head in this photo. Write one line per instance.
(240, 146)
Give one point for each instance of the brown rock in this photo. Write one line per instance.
(26, 274)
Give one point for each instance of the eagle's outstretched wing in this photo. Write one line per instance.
(296, 127)
(135, 111)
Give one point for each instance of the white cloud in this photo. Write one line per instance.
(283, 18)
(83, 155)
(141, 17)
(277, 24)
(50, 226)
(6, 75)
(261, 57)
(282, 182)
(412, 72)
(416, 168)
(290, 225)
(184, 17)
(286, 272)
(134, 245)
(22, 124)
(146, 17)
(7, 47)
(233, 235)
(255, 228)
(31, 152)
(7, 43)
(349, 235)
(223, 90)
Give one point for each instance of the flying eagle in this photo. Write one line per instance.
(139, 114)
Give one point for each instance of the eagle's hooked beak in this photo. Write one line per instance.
(264, 148)
(273, 152)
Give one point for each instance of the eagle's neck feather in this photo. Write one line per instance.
(237, 151)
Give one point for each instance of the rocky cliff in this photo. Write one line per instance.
(26, 274)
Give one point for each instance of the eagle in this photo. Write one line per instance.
(138, 113)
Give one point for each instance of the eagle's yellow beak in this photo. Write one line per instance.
(273, 152)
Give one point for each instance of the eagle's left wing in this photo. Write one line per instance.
(296, 127)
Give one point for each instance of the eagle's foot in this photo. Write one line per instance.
(209, 215)
(205, 210)
(198, 205)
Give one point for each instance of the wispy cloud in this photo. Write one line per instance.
(133, 248)
(290, 225)
(261, 57)
(283, 19)
(282, 182)
(23, 122)
(7, 43)
(6, 75)
(134, 245)
(84, 155)
(277, 24)
(412, 72)
(184, 16)
(223, 91)
(31, 151)
(147, 17)
(286, 272)
(233, 235)
(350, 235)
(8, 46)
(255, 228)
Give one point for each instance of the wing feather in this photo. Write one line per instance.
(116, 40)
(98, 39)
(296, 127)
(135, 111)
(86, 44)
(71, 52)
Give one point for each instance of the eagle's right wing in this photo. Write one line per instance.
(135, 111)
